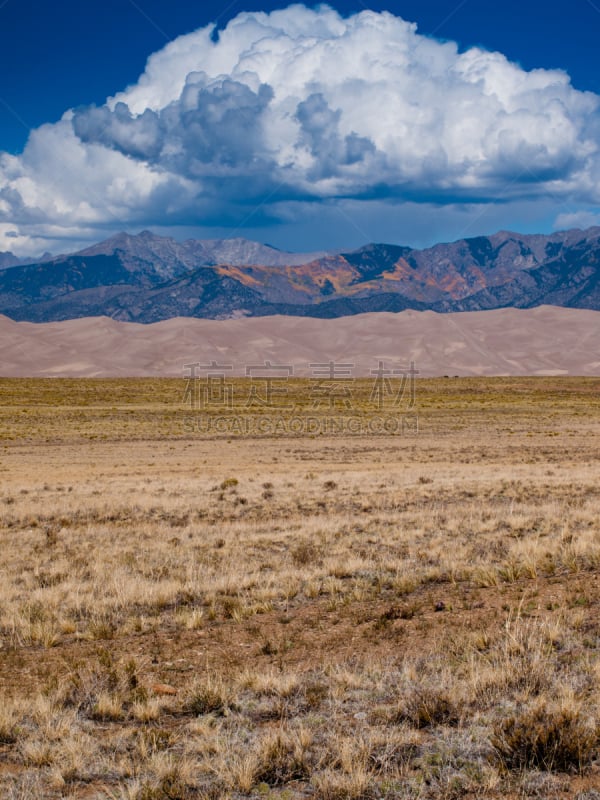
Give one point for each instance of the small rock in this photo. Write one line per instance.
(163, 689)
(360, 715)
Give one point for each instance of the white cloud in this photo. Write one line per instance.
(577, 219)
(303, 105)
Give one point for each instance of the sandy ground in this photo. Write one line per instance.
(542, 341)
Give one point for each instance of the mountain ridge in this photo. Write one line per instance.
(147, 278)
(8, 259)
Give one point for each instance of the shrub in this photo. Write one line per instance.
(210, 697)
(305, 553)
(282, 758)
(427, 706)
(315, 694)
(107, 708)
(333, 785)
(8, 725)
(170, 787)
(554, 740)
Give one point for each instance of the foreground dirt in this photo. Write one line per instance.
(338, 617)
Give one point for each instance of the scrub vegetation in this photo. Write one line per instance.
(211, 615)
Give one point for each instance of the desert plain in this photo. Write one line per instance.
(192, 611)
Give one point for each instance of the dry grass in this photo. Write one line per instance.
(343, 617)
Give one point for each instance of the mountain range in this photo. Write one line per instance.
(8, 260)
(148, 278)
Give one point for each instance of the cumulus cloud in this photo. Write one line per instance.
(302, 105)
(214, 128)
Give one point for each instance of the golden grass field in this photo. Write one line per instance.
(219, 615)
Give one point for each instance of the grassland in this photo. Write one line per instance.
(190, 614)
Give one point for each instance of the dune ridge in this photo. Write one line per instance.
(546, 340)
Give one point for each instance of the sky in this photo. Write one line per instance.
(306, 126)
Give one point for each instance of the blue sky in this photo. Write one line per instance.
(341, 129)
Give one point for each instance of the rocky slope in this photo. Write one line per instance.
(147, 278)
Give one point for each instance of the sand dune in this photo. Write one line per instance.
(541, 341)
